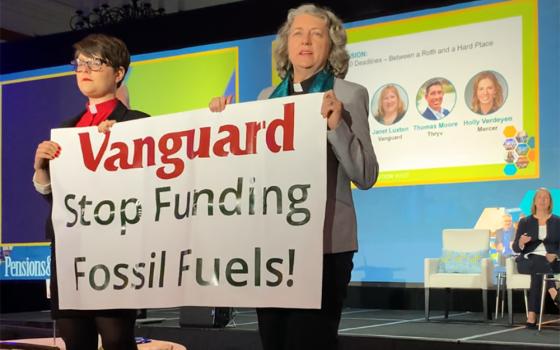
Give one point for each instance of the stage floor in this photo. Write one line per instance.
(359, 329)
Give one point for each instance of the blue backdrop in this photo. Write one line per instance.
(398, 226)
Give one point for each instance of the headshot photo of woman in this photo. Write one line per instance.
(389, 104)
(485, 93)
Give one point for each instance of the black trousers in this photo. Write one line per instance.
(117, 333)
(537, 266)
(295, 329)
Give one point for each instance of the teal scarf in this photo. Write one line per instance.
(323, 81)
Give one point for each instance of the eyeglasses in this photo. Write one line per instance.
(93, 65)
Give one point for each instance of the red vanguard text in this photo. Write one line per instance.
(227, 142)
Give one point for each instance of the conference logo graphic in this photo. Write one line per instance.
(24, 262)
(519, 150)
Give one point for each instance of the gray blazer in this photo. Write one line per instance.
(350, 157)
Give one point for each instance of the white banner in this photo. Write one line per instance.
(193, 208)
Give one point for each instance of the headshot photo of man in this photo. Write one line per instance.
(432, 98)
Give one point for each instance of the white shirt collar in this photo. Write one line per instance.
(439, 115)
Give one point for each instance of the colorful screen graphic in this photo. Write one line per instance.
(440, 168)
(185, 82)
(453, 95)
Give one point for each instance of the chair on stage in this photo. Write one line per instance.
(464, 264)
(546, 277)
(515, 280)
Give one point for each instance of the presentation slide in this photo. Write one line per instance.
(468, 59)
(463, 117)
(418, 147)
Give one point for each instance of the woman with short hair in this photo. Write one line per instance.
(100, 62)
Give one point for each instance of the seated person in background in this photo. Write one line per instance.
(504, 239)
(538, 240)
(390, 107)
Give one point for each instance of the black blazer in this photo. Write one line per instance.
(120, 114)
(530, 225)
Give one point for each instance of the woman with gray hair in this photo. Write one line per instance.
(311, 57)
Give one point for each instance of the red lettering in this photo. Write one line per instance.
(90, 161)
(138, 152)
(178, 165)
(252, 129)
(203, 150)
(231, 140)
(121, 157)
(170, 144)
(287, 125)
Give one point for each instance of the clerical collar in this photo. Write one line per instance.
(103, 107)
(96, 113)
(302, 87)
